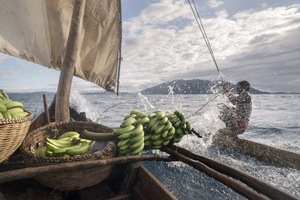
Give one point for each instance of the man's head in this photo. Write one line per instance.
(242, 85)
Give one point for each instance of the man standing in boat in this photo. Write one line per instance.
(237, 118)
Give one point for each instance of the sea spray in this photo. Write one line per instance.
(145, 102)
(171, 92)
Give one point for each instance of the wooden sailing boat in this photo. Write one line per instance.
(61, 42)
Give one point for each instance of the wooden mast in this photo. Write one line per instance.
(62, 112)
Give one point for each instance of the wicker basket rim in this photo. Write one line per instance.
(17, 120)
(53, 125)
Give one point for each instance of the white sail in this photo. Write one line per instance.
(37, 31)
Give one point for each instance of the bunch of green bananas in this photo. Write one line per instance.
(182, 126)
(159, 130)
(131, 133)
(11, 109)
(68, 144)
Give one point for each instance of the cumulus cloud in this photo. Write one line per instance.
(165, 41)
(214, 3)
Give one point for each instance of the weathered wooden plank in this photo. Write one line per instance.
(130, 178)
(36, 171)
(263, 152)
(233, 184)
(255, 183)
(147, 187)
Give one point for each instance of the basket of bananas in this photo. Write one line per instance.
(61, 142)
(14, 124)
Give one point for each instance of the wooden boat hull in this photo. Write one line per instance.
(127, 181)
(263, 152)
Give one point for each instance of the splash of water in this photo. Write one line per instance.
(145, 101)
(171, 92)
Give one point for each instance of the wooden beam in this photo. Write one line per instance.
(233, 184)
(253, 182)
(65, 167)
(46, 109)
(62, 112)
(129, 179)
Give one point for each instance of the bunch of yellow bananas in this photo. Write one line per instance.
(11, 109)
(68, 144)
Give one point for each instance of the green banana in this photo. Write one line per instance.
(160, 129)
(164, 134)
(125, 146)
(51, 146)
(141, 120)
(141, 115)
(148, 143)
(157, 147)
(68, 134)
(15, 110)
(2, 108)
(79, 151)
(120, 131)
(151, 115)
(158, 142)
(175, 119)
(168, 138)
(128, 122)
(168, 126)
(20, 115)
(137, 139)
(181, 116)
(177, 112)
(172, 131)
(147, 137)
(135, 112)
(139, 128)
(188, 126)
(137, 144)
(179, 131)
(160, 114)
(5, 100)
(14, 104)
(152, 122)
(155, 127)
(1, 116)
(172, 116)
(60, 143)
(124, 151)
(125, 136)
(38, 152)
(177, 124)
(6, 115)
(123, 142)
(183, 121)
(138, 150)
(165, 143)
(156, 137)
(163, 120)
(127, 116)
(183, 126)
(176, 140)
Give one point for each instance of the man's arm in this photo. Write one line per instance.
(244, 97)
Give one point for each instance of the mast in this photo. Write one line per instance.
(62, 112)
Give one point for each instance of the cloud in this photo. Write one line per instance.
(214, 3)
(155, 50)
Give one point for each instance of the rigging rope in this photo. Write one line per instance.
(201, 27)
(202, 106)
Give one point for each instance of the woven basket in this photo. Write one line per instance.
(67, 181)
(12, 133)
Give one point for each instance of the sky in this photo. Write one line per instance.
(254, 40)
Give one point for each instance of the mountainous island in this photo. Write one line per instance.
(194, 86)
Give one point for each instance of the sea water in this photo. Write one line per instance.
(275, 121)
